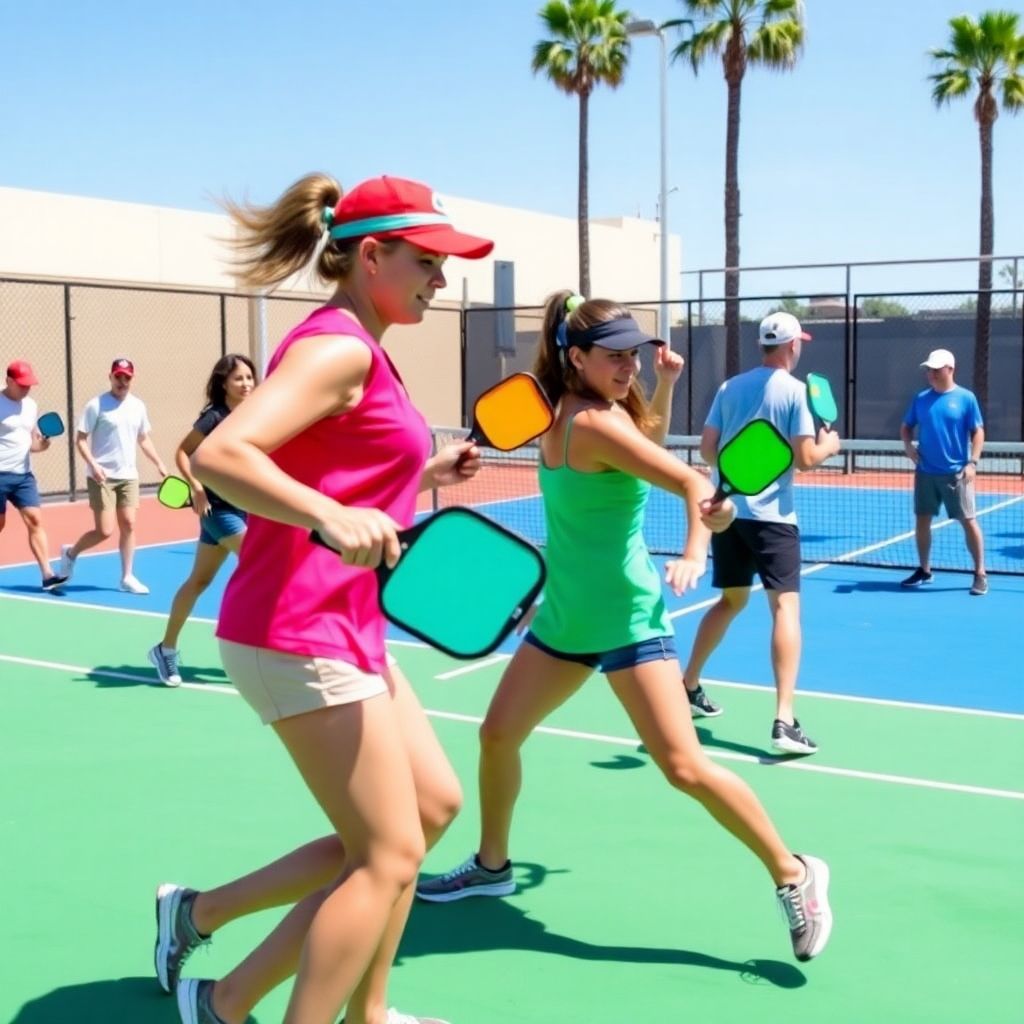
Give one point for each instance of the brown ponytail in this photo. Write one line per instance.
(278, 240)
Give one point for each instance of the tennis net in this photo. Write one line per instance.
(855, 508)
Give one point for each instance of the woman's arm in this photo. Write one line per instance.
(318, 377)
(668, 366)
(608, 439)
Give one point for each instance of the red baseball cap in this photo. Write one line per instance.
(389, 207)
(123, 366)
(22, 373)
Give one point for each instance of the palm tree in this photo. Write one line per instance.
(588, 47)
(988, 53)
(742, 33)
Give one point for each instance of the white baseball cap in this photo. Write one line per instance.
(780, 328)
(938, 358)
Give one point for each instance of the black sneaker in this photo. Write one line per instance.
(917, 578)
(53, 582)
(791, 738)
(701, 705)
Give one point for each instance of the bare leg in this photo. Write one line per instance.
(923, 536)
(712, 629)
(102, 529)
(786, 643)
(533, 685)
(975, 544)
(37, 540)
(126, 539)
(208, 560)
(650, 695)
(306, 875)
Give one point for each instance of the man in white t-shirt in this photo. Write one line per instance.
(108, 430)
(764, 538)
(18, 439)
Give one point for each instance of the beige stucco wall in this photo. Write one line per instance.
(174, 337)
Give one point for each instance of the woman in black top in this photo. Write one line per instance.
(222, 525)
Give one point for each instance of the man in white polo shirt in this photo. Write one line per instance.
(18, 439)
(109, 428)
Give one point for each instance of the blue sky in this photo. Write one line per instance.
(846, 158)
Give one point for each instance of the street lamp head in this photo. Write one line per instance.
(642, 28)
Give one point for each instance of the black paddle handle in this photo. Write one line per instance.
(405, 538)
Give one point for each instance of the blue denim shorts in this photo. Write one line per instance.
(20, 489)
(659, 648)
(221, 522)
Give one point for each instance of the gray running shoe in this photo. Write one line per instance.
(195, 1001)
(468, 879)
(979, 587)
(176, 935)
(701, 705)
(807, 909)
(791, 739)
(166, 664)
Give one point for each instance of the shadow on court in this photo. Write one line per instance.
(101, 1002)
(475, 925)
(113, 677)
(709, 740)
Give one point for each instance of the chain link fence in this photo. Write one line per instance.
(869, 347)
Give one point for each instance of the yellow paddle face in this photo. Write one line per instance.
(512, 413)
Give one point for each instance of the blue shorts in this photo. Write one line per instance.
(20, 489)
(220, 523)
(659, 648)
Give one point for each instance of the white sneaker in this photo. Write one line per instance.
(67, 562)
(394, 1017)
(130, 585)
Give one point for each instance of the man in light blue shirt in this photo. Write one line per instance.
(764, 538)
(951, 434)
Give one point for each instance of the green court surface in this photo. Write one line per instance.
(633, 905)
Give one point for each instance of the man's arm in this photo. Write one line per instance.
(82, 444)
(907, 437)
(149, 450)
(809, 452)
(977, 443)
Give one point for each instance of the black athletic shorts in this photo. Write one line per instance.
(772, 550)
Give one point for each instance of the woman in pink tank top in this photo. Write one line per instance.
(329, 442)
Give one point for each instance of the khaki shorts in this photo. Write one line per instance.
(112, 494)
(278, 685)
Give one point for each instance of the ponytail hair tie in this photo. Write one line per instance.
(573, 302)
(327, 217)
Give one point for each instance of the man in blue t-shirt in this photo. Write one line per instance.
(763, 538)
(951, 434)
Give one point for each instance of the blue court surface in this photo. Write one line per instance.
(864, 635)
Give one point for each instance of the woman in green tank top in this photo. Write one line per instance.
(603, 606)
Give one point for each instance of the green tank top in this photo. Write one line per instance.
(602, 590)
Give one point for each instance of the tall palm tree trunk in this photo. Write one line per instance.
(583, 208)
(732, 228)
(983, 324)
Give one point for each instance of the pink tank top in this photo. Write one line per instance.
(291, 595)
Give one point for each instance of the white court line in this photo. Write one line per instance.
(497, 659)
(100, 554)
(473, 666)
(595, 737)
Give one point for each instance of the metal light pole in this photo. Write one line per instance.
(648, 28)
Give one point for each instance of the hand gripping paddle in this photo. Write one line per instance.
(462, 582)
(752, 459)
